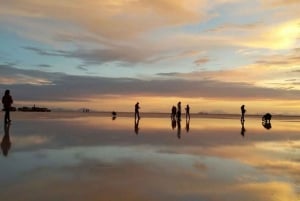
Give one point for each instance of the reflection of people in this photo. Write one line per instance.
(7, 102)
(6, 144)
(178, 128)
(173, 123)
(187, 125)
(136, 126)
(179, 110)
(187, 112)
(114, 115)
(243, 130)
(243, 111)
(267, 125)
(136, 111)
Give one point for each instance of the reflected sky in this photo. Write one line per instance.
(97, 158)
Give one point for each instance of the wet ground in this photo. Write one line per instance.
(93, 157)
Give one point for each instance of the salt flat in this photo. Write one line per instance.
(79, 156)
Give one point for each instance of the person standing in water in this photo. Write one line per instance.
(136, 111)
(7, 102)
(243, 111)
(179, 110)
(187, 112)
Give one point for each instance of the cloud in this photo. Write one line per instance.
(112, 19)
(201, 61)
(13, 76)
(61, 87)
(44, 66)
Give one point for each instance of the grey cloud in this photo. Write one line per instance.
(43, 52)
(172, 74)
(67, 87)
(44, 66)
(122, 54)
(201, 61)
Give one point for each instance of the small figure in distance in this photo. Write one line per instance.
(136, 111)
(179, 111)
(7, 102)
(187, 112)
(114, 115)
(173, 112)
(267, 117)
(243, 111)
(266, 121)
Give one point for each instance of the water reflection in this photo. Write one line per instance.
(173, 123)
(267, 125)
(6, 143)
(187, 125)
(243, 130)
(136, 125)
(178, 128)
(212, 158)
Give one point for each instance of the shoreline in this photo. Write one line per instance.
(75, 114)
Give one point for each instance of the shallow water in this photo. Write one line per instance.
(92, 157)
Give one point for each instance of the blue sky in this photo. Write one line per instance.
(252, 47)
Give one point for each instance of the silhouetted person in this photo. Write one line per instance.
(187, 112)
(243, 111)
(179, 110)
(136, 111)
(178, 129)
(114, 115)
(7, 102)
(187, 125)
(136, 126)
(173, 112)
(243, 130)
(6, 144)
(267, 117)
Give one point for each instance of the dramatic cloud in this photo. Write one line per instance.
(53, 86)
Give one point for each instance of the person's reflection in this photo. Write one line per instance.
(178, 128)
(6, 144)
(267, 125)
(243, 130)
(187, 125)
(136, 125)
(173, 123)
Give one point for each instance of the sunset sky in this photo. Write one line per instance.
(214, 55)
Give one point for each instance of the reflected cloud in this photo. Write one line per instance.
(95, 148)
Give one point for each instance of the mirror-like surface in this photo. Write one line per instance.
(93, 157)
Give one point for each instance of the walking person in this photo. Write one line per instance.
(179, 110)
(136, 111)
(187, 112)
(243, 111)
(7, 102)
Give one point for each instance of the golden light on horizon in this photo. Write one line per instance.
(164, 104)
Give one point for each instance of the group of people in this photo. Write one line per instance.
(176, 112)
